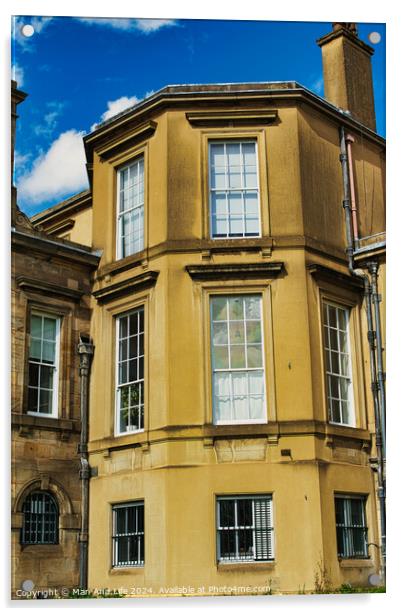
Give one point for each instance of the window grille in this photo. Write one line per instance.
(130, 210)
(130, 372)
(237, 359)
(40, 519)
(245, 528)
(234, 192)
(351, 528)
(128, 535)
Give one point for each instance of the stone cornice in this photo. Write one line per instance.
(35, 241)
(48, 288)
(232, 118)
(235, 271)
(321, 272)
(125, 287)
(124, 141)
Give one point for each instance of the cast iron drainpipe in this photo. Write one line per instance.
(368, 296)
(349, 140)
(85, 351)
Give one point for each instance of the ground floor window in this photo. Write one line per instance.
(351, 527)
(40, 519)
(245, 528)
(128, 534)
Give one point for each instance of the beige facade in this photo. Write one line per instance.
(185, 459)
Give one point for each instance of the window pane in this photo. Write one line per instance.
(245, 512)
(219, 207)
(217, 154)
(236, 226)
(227, 512)
(46, 377)
(236, 329)
(220, 333)
(36, 326)
(120, 520)
(235, 308)
(249, 153)
(253, 329)
(251, 203)
(49, 329)
(45, 401)
(254, 356)
(33, 374)
(32, 400)
(220, 357)
(48, 352)
(237, 357)
(235, 203)
(219, 308)
(252, 307)
(35, 351)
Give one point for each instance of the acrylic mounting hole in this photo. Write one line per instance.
(374, 37)
(27, 30)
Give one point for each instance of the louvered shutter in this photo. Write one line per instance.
(264, 548)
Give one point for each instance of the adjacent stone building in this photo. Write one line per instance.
(236, 387)
(50, 294)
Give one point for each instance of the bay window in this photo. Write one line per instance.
(130, 208)
(237, 348)
(233, 189)
(338, 363)
(130, 372)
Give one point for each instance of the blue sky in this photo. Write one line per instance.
(80, 71)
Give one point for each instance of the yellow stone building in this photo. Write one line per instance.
(232, 422)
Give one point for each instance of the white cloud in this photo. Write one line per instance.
(146, 26)
(151, 25)
(17, 73)
(50, 119)
(115, 107)
(57, 172)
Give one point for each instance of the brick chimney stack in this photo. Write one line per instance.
(348, 81)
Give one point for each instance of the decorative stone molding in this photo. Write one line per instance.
(130, 285)
(321, 272)
(48, 288)
(249, 117)
(235, 271)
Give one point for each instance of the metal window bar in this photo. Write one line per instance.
(40, 519)
(257, 537)
(352, 536)
(242, 191)
(130, 372)
(128, 544)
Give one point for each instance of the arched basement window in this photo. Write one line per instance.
(41, 519)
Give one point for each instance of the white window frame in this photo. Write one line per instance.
(270, 531)
(115, 536)
(227, 190)
(56, 366)
(120, 214)
(328, 372)
(118, 432)
(347, 525)
(230, 371)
